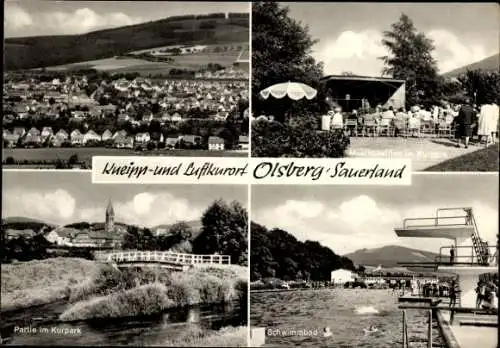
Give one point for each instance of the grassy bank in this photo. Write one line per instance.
(113, 294)
(41, 282)
(225, 337)
(483, 160)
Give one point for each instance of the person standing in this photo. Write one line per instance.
(479, 297)
(453, 294)
(466, 117)
(452, 255)
(337, 121)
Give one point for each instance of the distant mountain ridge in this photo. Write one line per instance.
(487, 64)
(45, 51)
(24, 223)
(389, 256)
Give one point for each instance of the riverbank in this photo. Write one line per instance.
(40, 282)
(96, 290)
(226, 337)
(152, 290)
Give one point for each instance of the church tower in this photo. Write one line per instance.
(110, 218)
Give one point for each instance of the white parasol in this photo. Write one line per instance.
(294, 91)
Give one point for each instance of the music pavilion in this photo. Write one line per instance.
(350, 91)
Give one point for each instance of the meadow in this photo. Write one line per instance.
(36, 283)
(130, 65)
(27, 158)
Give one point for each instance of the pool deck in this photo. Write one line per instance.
(461, 336)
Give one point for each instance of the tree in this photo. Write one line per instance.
(224, 232)
(410, 59)
(481, 86)
(179, 233)
(281, 51)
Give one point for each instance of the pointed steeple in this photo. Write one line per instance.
(110, 218)
(109, 209)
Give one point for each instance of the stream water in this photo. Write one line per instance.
(40, 326)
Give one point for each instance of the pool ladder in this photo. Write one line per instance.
(406, 343)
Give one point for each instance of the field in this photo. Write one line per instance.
(44, 51)
(124, 65)
(41, 282)
(85, 154)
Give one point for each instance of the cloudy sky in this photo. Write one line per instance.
(35, 17)
(347, 218)
(63, 198)
(349, 34)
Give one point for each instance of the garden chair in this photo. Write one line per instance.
(351, 126)
(385, 127)
(445, 130)
(370, 127)
(427, 128)
(414, 127)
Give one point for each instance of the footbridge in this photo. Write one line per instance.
(164, 259)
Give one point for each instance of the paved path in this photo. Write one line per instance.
(424, 152)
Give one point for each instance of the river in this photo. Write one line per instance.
(136, 331)
(347, 312)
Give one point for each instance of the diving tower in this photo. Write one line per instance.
(471, 257)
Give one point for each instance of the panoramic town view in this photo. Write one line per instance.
(172, 85)
(250, 174)
(96, 265)
(377, 80)
(335, 266)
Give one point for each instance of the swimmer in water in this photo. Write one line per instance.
(371, 329)
(327, 332)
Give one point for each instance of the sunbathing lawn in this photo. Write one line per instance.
(483, 160)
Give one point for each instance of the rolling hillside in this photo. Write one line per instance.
(23, 223)
(195, 225)
(44, 51)
(389, 256)
(489, 64)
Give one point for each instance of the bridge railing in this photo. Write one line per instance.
(163, 257)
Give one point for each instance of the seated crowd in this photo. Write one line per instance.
(436, 121)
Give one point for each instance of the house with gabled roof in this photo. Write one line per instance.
(91, 136)
(107, 135)
(76, 137)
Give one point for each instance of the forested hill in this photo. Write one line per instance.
(44, 51)
(276, 253)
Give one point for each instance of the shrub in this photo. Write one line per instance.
(73, 159)
(297, 138)
(142, 300)
(10, 160)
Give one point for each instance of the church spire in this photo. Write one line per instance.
(109, 209)
(110, 218)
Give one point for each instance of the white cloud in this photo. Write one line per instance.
(60, 207)
(16, 17)
(361, 222)
(80, 21)
(358, 52)
(451, 53)
(53, 206)
(84, 20)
